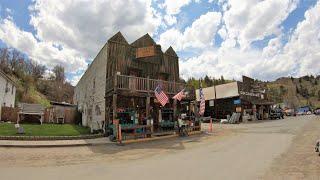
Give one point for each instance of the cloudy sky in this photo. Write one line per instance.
(265, 39)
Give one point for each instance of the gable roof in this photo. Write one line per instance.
(5, 76)
(118, 37)
(145, 40)
(171, 52)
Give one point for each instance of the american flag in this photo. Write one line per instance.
(161, 96)
(180, 95)
(202, 102)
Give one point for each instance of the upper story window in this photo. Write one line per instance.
(7, 87)
(12, 89)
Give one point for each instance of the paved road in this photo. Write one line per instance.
(267, 150)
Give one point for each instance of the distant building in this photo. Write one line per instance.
(7, 92)
(247, 97)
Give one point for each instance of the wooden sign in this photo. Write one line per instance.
(145, 52)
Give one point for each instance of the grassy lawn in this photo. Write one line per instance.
(44, 130)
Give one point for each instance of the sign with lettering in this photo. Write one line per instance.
(250, 94)
(211, 102)
(237, 101)
(145, 52)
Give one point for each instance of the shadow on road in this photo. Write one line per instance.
(174, 143)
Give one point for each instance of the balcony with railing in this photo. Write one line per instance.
(145, 85)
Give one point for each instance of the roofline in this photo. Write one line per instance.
(62, 103)
(8, 78)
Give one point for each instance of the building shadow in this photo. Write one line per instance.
(172, 143)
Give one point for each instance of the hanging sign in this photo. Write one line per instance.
(237, 101)
(211, 102)
(145, 52)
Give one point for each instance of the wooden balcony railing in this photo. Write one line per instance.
(141, 84)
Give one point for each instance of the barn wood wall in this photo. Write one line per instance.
(122, 58)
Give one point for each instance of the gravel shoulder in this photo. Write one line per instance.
(300, 161)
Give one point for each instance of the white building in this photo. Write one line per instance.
(7, 91)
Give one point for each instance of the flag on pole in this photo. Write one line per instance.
(202, 101)
(161, 96)
(180, 95)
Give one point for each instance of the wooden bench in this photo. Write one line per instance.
(31, 109)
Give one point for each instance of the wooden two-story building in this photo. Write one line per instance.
(120, 84)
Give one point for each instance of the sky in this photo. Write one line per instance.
(264, 39)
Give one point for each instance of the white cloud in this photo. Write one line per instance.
(80, 28)
(298, 57)
(170, 20)
(9, 11)
(301, 55)
(41, 52)
(200, 34)
(174, 6)
(232, 63)
(247, 21)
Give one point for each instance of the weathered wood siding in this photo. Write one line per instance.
(122, 58)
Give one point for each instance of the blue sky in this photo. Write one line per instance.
(264, 39)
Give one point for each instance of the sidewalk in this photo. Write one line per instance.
(57, 143)
(80, 142)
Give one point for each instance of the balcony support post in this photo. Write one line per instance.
(174, 108)
(148, 98)
(114, 106)
(114, 98)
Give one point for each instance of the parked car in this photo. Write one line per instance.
(276, 114)
(317, 111)
(290, 112)
(299, 113)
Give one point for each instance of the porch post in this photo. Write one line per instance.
(148, 98)
(147, 106)
(174, 108)
(114, 106)
(114, 97)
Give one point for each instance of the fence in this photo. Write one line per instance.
(9, 114)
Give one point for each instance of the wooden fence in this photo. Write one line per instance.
(9, 114)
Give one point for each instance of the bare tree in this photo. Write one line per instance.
(58, 71)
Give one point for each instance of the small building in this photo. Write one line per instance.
(61, 112)
(248, 97)
(120, 84)
(7, 92)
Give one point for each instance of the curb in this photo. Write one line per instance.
(156, 138)
(48, 145)
(50, 138)
(94, 144)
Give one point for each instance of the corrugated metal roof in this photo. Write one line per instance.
(208, 93)
(227, 90)
(222, 91)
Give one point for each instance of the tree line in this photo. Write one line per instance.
(207, 81)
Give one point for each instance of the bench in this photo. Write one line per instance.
(31, 109)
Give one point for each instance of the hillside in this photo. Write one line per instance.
(34, 82)
(295, 92)
(292, 92)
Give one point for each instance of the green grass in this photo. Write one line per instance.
(44, 130)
